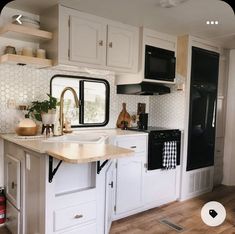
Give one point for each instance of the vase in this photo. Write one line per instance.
(48, 118)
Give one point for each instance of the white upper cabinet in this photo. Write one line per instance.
(86, 40)
(121, 45)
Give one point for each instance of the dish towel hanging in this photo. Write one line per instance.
(169, 155)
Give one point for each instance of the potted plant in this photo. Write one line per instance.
(44, 111)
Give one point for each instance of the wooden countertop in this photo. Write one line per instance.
(74, 152)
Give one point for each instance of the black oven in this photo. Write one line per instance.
(156, 144)
(159, 64)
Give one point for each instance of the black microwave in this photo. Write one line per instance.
(159, 64)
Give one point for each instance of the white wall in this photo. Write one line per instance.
(229, 147)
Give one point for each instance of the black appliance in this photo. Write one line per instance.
(143, 121)
(202, 114)
(157, 137)
(159, 64)
(144, 88)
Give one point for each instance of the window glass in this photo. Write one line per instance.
(94, 102)
(93, 95)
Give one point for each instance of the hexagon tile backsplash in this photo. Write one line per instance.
(22, 85)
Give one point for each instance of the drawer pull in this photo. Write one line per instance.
(133, 147)
(78, 216)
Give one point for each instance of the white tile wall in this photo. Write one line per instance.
(168, 110)
(23, 85)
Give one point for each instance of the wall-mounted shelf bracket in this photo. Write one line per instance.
(100, 166)
(51, 170)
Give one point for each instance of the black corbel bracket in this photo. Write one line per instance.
(51, 170)
(100, 167)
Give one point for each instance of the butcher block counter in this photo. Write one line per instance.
(75, 152)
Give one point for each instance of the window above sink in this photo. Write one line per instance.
(94, 95)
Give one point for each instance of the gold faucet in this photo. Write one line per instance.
(77, 103)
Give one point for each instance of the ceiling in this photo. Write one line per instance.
(188, 18)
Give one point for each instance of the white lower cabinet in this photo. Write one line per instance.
(88, 202)
(129, 183)
(13, 219)
(138, 189)
(129, 176)
(160, 186)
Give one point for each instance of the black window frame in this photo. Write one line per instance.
(81, 98)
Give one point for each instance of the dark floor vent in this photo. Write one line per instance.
(172, 225)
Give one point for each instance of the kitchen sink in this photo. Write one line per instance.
(82, 138)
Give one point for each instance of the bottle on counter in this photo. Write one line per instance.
(57, 128)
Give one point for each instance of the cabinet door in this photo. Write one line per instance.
(120, 47)
(12, 180)
(109, 197)
(13, 219)
(159, 186)
(129, 184)
(87, 41)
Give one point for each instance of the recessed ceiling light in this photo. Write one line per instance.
(170, 3)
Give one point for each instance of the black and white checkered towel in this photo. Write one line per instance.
(169, 160)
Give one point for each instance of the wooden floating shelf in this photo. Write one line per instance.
(24, 33)
(25, 60)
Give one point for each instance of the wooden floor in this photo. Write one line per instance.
(185, 214)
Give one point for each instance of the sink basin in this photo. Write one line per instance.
(82, 138)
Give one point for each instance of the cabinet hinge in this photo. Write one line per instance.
(115, 208)
(69, 22)
(69, 53)
(116, 164)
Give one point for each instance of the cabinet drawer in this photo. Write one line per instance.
(13, 219)
(71, 216)
(88, 229)
(138, 144)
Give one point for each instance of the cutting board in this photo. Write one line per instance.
(123, 118)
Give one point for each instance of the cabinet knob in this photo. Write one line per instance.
(110, 44)
(101, 43)
(78, 216)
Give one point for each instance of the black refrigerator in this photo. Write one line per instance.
(202, 113)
